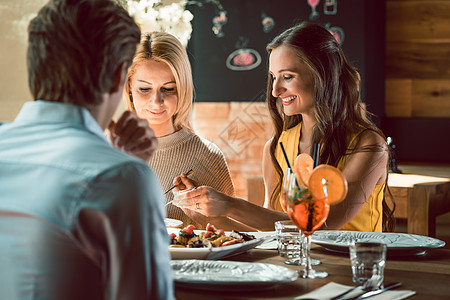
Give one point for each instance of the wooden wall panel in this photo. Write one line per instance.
(431, 98)
(417, 98)
(398, 97)
(418, 20)
(417, 78)
(417, 60)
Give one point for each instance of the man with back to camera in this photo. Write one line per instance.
(79, 218)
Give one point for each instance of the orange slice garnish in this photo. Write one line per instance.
(328, 179)
(303, 167)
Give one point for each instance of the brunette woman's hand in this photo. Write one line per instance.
(133, 135)
(204, 200)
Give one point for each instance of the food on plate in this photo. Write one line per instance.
(185, 235)
(198, 242)
(212, 237)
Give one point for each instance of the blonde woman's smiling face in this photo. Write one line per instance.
(155, 95)
(292, 81)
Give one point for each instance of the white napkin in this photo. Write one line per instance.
(270, 243)
(333, 289)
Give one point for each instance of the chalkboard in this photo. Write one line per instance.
(360, 25)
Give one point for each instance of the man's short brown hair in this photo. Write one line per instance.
(75, 47)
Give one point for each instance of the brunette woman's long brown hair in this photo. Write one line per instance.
(339, 111)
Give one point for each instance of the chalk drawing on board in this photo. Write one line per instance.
(267, 22)
(337, 32)
(243, 60)
(330, 7)
(314, 14)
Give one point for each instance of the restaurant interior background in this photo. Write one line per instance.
(400, 47)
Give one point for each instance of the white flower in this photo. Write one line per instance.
(20, 26)
(153, 15)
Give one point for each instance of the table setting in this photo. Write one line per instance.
(256, 268)
(259, 266)
(415, 273)
(347, 265)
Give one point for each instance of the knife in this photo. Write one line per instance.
(376, 292)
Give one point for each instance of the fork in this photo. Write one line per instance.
(189, 173)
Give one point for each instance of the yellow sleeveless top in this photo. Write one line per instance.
(370, 216)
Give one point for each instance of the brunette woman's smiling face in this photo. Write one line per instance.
(292, 81)
(155, 95)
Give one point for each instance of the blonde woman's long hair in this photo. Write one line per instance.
(164, 47)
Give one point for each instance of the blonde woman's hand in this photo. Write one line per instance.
(182, 183)
(133, 135)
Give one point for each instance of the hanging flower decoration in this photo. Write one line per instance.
(154, 15)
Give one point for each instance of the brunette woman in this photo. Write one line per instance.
(313, 95)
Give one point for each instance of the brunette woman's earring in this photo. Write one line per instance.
(131, 97)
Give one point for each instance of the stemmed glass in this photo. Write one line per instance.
(308, 213)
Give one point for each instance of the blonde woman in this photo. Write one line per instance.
(159, 88)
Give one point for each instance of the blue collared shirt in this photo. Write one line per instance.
(78, 217)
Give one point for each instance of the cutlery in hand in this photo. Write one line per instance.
(376, 292)
(189, 173)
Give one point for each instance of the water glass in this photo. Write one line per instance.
(368, 261)
(288, 240)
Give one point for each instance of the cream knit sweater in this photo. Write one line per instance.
(182, 151)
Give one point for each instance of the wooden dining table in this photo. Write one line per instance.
(427, 274)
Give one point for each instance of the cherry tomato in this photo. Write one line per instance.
(188, 229)
(210, 227)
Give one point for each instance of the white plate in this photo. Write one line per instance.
(214, 253)
(218, 275)
(397, 243)
(173, 223)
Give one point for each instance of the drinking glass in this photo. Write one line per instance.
(288, 174)
(301, 258)
(368, 261)
(308, 213)
(288, 241)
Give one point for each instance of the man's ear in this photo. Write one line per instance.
(119, 78)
